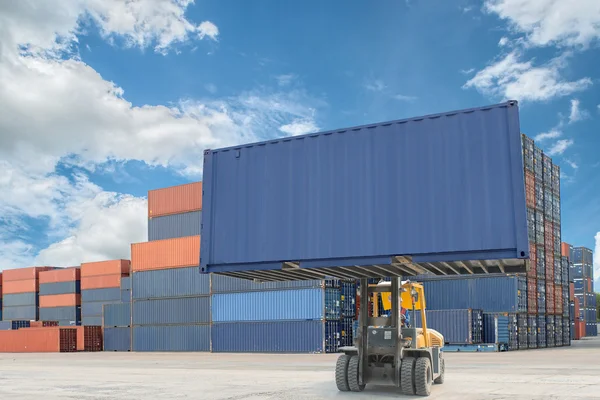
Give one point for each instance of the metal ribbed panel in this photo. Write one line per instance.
(117, 315)
(94, 309)
(296, 199)
(174, 226)
(126, 296)
(91, 321)
(71, 287)
(226, 284)
(171, 338)
(20, 299)
(20, 312)
(269, 305)
(100, 294)
(186, 310)
(269, 337)
(126, 283)
(457, 326)
(117, 339)
(60, 314)
(177, 282)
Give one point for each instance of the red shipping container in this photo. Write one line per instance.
(565, 250)
(101, 282)
(21, 274)
(60, 275)
(579, 329)
(532, 295)
(558, 299)
(40, 324)
(589, 284)
(27, 286)
(571, 291)
(112, 267)
(38, 340)
(89, 338)
(60, 300)
(530, 188)
(532, 273)
(577, 309)
(175, 199)
(550, 304)
(165, 254)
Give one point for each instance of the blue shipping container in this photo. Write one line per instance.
(177, 282)
(93, 295)
(185, 310)
(227, 284)
(457, 326)
(20, 299)
(269, 337)
(550, 331)
(61, 314)
(532, 332)
(91, 321)
(333, 338)
(126, 296)
(172, 338)
(94, 309)
(346, 331)
(248, 196)
(541, 333)
(117, 315)
(501, 328)
(126, 283)
(174, 226)
(348, 290)
(292, 304)
(117, 339)
(70, 287)
(491, 294)
(10, 325)
(20, 313)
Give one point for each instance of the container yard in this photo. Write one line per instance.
(263, 271)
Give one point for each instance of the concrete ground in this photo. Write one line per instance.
(559, 373)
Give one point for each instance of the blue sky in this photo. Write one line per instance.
(110, 101)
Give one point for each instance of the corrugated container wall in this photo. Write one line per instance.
(117, 339)
(178, 282)
(22, 274)
(112, 267)
(165, 254)
(171, 338)
(93, 295)
(227, 284)
(457, 326)
(185, 310)
(175, 199)
(60, 275)
(469, 158)
(174, 226)
(269, 337)
(70, 287)
(116, 315)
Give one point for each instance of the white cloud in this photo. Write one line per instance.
(209, 29)
(300, 127)
(403, 97)
(467, 71)
(211, 88)
(547, 22)
(376, 85)
(572, 164)
(503, 41)
(560, 147)
(286, 79)
(467, 9)
(553, 134)
(577, 114)
(511, 78)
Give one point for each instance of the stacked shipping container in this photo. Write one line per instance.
(582, 271)
(20, 293)
(60, 296)
(100, 285)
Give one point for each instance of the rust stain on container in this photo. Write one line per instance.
(101, 282)
(60, 275)
(39, 340)
(164, 254)
(21, 274)
(175, 199)
(60, 300)
(26, 286)
(112, 267)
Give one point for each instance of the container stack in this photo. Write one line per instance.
(171, 299)
(582, 272)
(175, 211)
(286, 317)
(116, 321)
(100, 285)
(60, 296)
(20, 293)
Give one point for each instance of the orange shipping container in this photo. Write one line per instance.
(38, 340)
(101, 282)
(565, 249)
(175, 199)
(571, 291)
(22, 274)
(164, 254)
(27, 286)
(60, 300)
(60, 275)
(112, 267)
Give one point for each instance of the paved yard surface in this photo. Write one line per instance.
(560, 373)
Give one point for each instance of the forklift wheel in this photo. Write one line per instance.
(353, 375)
(407, 379)
(440, 379)
(341, 373)
(423, 376)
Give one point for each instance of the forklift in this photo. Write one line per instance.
(388, 351)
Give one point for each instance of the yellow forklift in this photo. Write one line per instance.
(386, 349)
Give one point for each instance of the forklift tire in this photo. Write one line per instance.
(423, 376)
(407, 378)
(341, 373)
(353, 381)
(440, 379)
